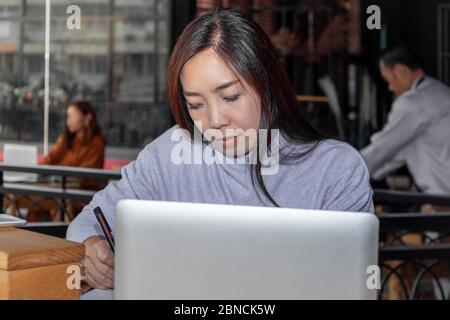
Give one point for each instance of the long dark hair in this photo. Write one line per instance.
(92, 130)
(246, 48)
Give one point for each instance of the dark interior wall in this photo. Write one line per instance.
(183, 11)
(411, 21)
(421, 26)
(427, 33)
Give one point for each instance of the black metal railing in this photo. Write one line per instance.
(416, 269)
(405, 198)
(58, 192)
(414, 252)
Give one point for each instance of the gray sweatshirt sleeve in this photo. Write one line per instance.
(405, 122)
(136, 183)
(397, 162)
(350, 189)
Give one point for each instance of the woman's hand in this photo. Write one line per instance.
(98, 263)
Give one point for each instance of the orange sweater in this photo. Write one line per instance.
(91, 155)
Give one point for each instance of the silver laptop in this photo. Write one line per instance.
(17, 154)
(172, 250)
(8, 221)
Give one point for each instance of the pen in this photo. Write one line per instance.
(105, 227)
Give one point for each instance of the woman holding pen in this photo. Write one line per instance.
(225, 80)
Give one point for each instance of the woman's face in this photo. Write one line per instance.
(225, 106)
(75, 119)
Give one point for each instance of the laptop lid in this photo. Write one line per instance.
(170, 250)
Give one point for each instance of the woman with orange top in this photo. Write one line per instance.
(82, 143)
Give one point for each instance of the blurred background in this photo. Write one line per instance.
(118, 60)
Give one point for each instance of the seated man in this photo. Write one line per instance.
(417, 133)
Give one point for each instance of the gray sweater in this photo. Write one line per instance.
(333, 177)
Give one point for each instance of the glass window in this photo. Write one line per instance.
(117, 60)
(21, 70)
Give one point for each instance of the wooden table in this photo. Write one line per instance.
(37, 266)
